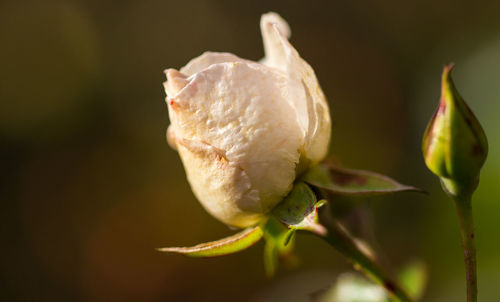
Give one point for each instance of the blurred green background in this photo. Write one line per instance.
(89, 186)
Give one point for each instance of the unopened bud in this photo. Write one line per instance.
(454, 145)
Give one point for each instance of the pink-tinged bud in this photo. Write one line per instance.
(454, 145)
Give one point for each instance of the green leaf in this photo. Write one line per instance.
(225, 246)
(413, 278)
(299, 209)
(352, 182)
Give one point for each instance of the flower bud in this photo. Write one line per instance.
(454, 145)
(244, 130)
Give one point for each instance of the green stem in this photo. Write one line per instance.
(464, 211)
(336, 236)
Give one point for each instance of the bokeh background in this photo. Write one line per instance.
(89, 186)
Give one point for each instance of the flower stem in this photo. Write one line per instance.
(337, 236)
(464, 211)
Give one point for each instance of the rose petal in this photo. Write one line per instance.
(313, 115)
(273, 48)
(208, 58)
(222, 187)
(240, 109)
(175, 82)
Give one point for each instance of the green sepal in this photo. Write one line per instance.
(225, 246)
(344, 181)
(279, 245)
(297, 211)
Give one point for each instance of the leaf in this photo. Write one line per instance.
(299, 209)
(413, 278)
(225, 246)
(353, 182)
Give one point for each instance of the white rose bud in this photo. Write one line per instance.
(244, 129)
